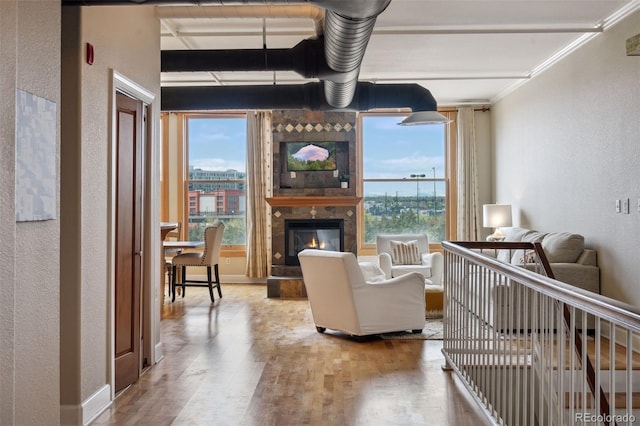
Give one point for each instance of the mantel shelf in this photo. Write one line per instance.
(301, 201)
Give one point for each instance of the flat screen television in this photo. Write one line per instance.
(311, 156)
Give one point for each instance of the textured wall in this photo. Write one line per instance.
(125, 39)
(29, 260)
(566, 147)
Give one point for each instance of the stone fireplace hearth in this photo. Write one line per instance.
(310, 195)
(295, 208)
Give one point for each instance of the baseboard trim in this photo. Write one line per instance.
(96, 404)
(158, 353)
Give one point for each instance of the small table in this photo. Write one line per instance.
(182, 244)
(166, 227)
(178, 245)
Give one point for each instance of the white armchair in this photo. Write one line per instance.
(341, 298)
(394, 264)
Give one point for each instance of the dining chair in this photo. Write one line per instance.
(173, 235)
(209, 258)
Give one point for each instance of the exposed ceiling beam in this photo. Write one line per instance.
(546, 29)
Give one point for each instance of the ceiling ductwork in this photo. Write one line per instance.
(347, 29)
(309, 96)
(334, 58)
(305, 58)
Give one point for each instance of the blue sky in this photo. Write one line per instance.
(391, 151)
(218, 144)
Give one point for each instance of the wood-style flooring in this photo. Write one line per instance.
(250, 360)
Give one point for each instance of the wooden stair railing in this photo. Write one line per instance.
(582, 357)
(546, 266)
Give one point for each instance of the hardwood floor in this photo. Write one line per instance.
(250, 360)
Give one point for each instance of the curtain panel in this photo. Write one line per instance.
(468, 223)
(259, 143)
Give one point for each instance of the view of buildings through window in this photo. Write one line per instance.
(404, 178)
(217, 176)
(404, 182)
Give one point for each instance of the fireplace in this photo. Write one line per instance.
(320, 234)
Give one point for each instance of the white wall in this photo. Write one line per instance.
(482, 121)
(566, 146)
(29, 253)
(125, 39)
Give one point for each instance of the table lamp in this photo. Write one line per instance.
(496, 216)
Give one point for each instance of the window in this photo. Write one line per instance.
(217, 175)
(404, 183)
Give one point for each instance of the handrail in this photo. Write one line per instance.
(604, 306)
(582, 357)
(561, 294)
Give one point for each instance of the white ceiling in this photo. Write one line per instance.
(464, 52)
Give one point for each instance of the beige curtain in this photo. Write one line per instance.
(258, 188)
(468, 226)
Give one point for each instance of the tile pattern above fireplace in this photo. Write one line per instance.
(312, 195)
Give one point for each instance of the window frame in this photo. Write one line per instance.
(450, 181)
(180, 179)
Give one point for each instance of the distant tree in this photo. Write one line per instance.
(235, 231)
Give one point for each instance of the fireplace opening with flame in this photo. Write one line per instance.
(320, 234)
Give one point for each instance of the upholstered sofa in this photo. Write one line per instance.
(570, 262)
(400, 254)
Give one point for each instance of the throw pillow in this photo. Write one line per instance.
(405, 253)
(530, 237)
(513, 235)
(371, 272)
(563, 247)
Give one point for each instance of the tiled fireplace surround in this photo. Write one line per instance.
(310, 195)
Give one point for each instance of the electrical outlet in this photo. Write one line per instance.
(618, 206)
(293, 175)
(335, 173)
(625, 206)
(638, 205)
(227, 261)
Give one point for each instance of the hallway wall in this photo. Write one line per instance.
(29, 253)
(125, 39)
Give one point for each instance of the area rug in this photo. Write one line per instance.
(432, 331)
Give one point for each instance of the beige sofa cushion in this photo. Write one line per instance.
(529, 237)
(563, 247)
(513, 235)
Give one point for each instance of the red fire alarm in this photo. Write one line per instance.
(90, 53)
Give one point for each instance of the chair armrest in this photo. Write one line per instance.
(384, 261)
(436, 262)
(391, 305)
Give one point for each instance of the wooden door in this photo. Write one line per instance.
(128, 232)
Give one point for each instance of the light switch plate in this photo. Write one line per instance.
(293, 175)
(618, 206)
(335, 173)
(625, 206)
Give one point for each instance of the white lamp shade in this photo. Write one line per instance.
(496, 215)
